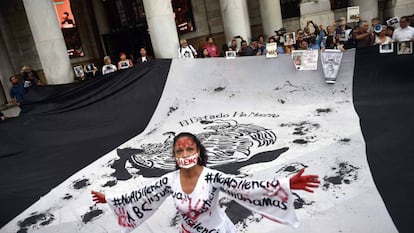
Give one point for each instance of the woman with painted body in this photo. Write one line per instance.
(195, 188)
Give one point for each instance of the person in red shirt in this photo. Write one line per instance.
(124, 63)
(212, 48)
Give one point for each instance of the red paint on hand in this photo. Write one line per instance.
(305, 183)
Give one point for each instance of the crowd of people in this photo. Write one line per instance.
(18, 88)
(340, 35)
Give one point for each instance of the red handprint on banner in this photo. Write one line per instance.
(123, 219)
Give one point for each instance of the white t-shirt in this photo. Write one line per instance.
(403, 34)
(200, 211)
(387, 40)
(187, 52)
(106, 69)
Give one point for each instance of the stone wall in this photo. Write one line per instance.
(17, 35)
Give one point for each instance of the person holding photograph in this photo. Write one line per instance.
(233, 44)
(108, 67)
(124, 63)
(90, 70)
(30, 77)
(341, 29)
(329, 41)
(195, 189)
(277, 41)
(186, 50)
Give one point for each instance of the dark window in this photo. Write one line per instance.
(290, 8)
(129, 29)
(338, 4)
(125, 13)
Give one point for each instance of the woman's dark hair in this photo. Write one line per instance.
(208, 37)
(203, 155)
(202, 53)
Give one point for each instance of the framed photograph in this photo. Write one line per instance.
(89, 68)
(271, 50)
(305, 59)
(331, 62)
(231, 54)
(404, 47)
(386, 48)
(393, 21)
(78, 71)
(289, 38)
(124, 65)
(353, 14)
(297, 58)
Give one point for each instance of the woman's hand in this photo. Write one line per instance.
(98, 197)
(304, 182)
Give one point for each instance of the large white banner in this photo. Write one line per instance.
(258, 118)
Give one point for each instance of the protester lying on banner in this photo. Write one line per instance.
(195, 188)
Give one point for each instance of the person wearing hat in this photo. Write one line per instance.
(381, 37)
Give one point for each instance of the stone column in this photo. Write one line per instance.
(6, 71)
(162, 28)
(101, 21)
(399, 8)
(235, 19)
(49, 41)
(368, 9)
(271, 16)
